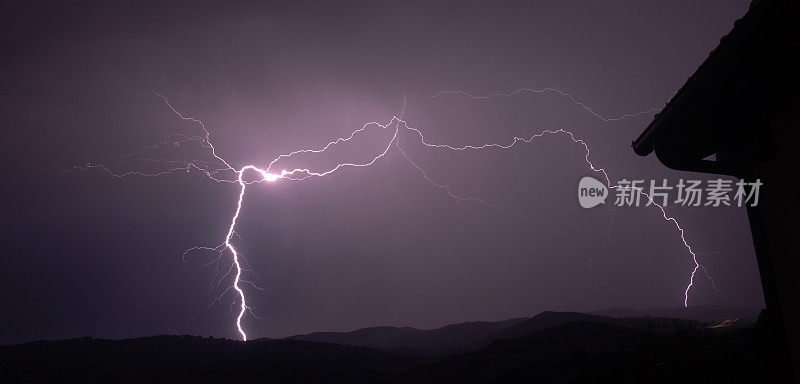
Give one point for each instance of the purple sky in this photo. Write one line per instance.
(90, 254)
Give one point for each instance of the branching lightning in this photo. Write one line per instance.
(219, 170)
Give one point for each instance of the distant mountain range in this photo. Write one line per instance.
(446, 339)
(551, 347)
(478, 334)
(703, 313)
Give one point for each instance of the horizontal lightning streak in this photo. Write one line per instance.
(213, 170)
(523, 91)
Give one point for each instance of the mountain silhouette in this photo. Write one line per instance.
(440, 340)
(477, 334)
(552, 343)
(551, 347)
(703, 313)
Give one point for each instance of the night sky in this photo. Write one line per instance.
(85, 253)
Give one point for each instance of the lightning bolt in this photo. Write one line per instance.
(528, 91)
(219, 170)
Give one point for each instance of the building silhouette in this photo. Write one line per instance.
(742, 108)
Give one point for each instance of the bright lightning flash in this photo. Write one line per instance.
(220, 170)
